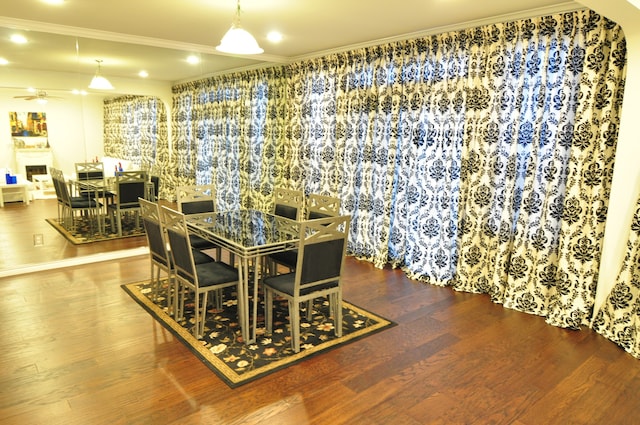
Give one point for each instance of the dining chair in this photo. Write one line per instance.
(129, 187)
(288, 203)
(199, 278)
(197, 199)
(321, 206)
(160, 255)
(70, 205)
(316, 206)
(318, 273)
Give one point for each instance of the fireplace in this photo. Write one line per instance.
(33, 161)
(35, 169)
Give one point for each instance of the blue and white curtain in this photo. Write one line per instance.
(619, 317)
(479, 159)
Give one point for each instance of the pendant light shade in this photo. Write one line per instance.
(98, 82)
(237, 40)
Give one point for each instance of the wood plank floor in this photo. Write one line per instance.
(76, 349)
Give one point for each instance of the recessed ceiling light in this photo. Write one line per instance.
(274, 37)
(18, 38)
(636, 3)
(80, 92)
(53, 1)
(143, 74)
(193, 60)
(3, 61)
(31, 90)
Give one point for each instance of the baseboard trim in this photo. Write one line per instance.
(77, 261)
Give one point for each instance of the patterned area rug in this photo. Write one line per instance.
(85, 231)
(236, 363)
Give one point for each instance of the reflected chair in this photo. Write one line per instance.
(129, 187)
(71, 204)
(159, 254)
(92, 171)
(197, 199)
(318, 273)
(199, 278)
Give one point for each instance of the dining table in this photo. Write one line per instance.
(247, 235)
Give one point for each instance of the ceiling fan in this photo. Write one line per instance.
(40, 95)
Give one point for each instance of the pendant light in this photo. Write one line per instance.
(237, 40)
(98, 82)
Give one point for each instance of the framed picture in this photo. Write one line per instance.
(28, 124)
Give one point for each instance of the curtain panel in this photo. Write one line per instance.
(480, 159)
(230, 131)
(619, 317)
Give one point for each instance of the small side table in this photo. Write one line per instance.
(21, 187)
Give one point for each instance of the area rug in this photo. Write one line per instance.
(84, 231)
(223, 350)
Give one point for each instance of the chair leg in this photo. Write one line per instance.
(180, 300)
(294, 322)
(268, 310)
(196, 314)
(335, 302)
(309, 309)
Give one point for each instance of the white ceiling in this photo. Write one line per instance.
(158, 35)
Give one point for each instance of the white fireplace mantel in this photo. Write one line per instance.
(33, 156)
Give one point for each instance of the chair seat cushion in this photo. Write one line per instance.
(124, 206)
(200, 257)
(286, 258)
(215, 273)
(80, 202)
(284, 283)
(200, 243)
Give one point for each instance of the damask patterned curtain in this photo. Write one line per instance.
(481, 158)
(229, 130)
(135, 129)
(619, 318)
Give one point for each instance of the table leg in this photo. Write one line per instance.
(243, 299)
(255, 299)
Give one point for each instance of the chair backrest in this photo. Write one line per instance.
(134, 174)
(89, 170)
(196, 199)
(129, 187)
(150, 212)
(178, 235)
(288, 203)
(321, 253)
(60, 186)
(321, 206)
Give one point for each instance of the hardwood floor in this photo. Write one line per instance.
(76, 349)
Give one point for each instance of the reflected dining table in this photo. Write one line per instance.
(105, 189)
(247, 235)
